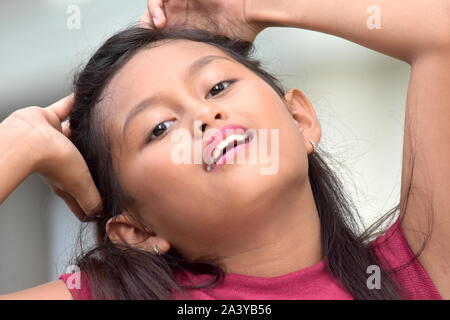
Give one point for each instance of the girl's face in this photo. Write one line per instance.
(196, 211)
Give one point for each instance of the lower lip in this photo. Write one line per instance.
(228, 155)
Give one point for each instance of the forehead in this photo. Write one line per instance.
(151, 68)
(150, 71)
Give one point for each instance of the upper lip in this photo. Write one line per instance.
(222, 133)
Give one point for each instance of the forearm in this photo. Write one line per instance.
(15, 161)
(405, 28)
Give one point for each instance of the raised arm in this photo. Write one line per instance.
(404, 29)
(417, 32)
(34, 139)
(15, 160)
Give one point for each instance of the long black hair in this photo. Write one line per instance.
(118, 271)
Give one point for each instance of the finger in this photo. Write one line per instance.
(87, 196)
(63, 107)
(72, 204)
(145, 20)
(76, 180)
(155, 8)
(66, 128)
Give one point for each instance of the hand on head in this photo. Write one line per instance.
(52, 155)
(228, 17)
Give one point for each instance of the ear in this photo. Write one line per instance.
(304, 116)
(123, 229)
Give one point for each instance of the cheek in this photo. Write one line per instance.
(160, 188)
(290, 150)
(270, 114)
(153, 174)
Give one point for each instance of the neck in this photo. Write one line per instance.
(286, 239)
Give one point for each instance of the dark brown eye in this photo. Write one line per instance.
(219, 87)
(158, 130)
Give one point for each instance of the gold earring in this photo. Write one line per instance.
(156, 249)
(313, 145)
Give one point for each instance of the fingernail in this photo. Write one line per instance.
(158, 15)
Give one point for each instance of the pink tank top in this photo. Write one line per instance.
(312, 283)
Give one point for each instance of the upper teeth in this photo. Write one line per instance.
(227, 143)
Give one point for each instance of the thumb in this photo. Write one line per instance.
(63, 107)
(156, 13)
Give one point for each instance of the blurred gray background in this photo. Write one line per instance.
(359, 96)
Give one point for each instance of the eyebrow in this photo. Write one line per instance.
(194, 68)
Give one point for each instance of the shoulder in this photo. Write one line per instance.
(54, 290)
(78, 285)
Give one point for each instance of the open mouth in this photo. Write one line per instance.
(226, 145)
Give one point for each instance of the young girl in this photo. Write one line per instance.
(167, 230)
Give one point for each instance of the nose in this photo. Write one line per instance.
(206, 117)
